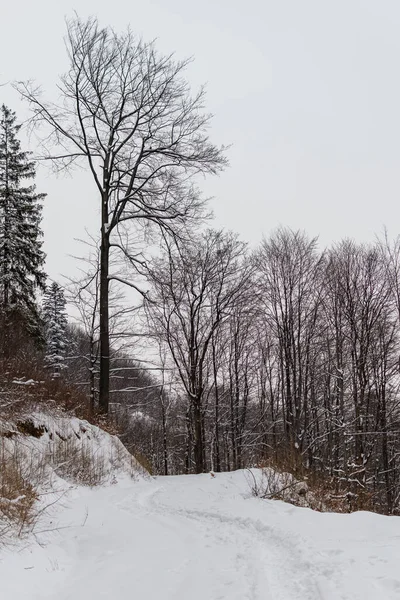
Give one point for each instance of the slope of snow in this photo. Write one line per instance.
(43, 456)
(201, 538)
(59, 443)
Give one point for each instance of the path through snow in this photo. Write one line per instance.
(202, 538)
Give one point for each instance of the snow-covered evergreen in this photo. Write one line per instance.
(21, 255)
(55, 319)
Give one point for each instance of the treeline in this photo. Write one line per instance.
(285, 354)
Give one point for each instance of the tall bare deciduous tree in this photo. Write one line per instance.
(129, 113)
(194, 290)
(289, 269)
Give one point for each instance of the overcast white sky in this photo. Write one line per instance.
(307, 92)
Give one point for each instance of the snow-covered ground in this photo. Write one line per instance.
(200, 538)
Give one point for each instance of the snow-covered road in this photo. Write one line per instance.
(201, 538)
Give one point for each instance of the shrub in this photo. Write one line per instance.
(18, 493)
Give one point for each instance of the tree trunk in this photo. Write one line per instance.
(217, 465)
(104, 381)
(198, 436)
(188, 456)
(165, 441)
(92, 366)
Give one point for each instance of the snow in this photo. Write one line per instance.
(200, 537)
(138, 415)
(61, 437)
(23, 381)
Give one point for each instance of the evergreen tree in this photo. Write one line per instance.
(56, 322)
(21, 256)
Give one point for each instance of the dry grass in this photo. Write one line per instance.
(20, 395)
(275, 485)
(143, 462)
(324, 493)
(18, 492)
(77, 462)
(25, 384)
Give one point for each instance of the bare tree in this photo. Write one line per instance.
(289, 268)
(128, 112)
(194, 290)
(367, 324)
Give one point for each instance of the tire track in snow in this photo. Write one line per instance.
(265, 554)
(218, 567)
(260, 553)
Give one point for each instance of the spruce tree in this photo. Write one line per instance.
(21, 255)
(55, 320)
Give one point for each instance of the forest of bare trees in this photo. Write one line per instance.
(286, 354)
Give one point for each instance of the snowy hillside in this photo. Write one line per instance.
(201, 537)
(43, 456)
